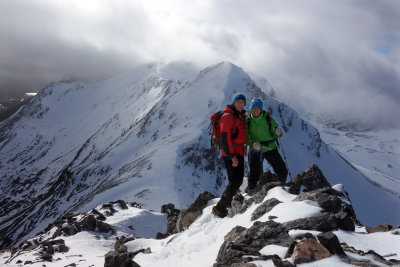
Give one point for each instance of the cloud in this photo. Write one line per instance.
(327, 57)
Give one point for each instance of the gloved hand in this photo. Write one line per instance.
(278, 131)
(256, 146)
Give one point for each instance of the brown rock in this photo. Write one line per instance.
(380, 228)
(187, 216)
(309, 250)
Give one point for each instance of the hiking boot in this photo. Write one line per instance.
(219, 213)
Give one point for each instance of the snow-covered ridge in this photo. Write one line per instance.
(143, 137)
(273, 227)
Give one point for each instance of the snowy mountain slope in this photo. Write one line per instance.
(143, 137)
(375, 153)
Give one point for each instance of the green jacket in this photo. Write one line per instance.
(259, 131)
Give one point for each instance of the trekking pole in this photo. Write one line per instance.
(284, 156)
(261, 164)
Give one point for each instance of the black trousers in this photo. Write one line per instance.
(235, 178)
(256, 166)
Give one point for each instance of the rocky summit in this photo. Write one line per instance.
(261, 229)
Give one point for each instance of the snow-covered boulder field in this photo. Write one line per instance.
(305, 222)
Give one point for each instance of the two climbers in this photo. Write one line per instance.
(259, 133)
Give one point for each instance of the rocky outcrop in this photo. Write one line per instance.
(309, 250)
(323, 222)
(242, 246)
(187, 216)
(172, 218)
(308, 180)
(240, 242)
(48, 244)
(331, 242)
(265, 207)
(179, 220)
(240, 204)
(262, 192)
(381, 228)
(325, 197)
(115, 259)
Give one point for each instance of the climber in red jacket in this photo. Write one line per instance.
(233, 140)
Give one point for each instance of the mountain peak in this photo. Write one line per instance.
(140, 136)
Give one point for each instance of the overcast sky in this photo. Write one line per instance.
(339, 57)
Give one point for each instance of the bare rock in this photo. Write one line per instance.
(262, 192)
(115, 259)
(172, 218)
(309, 250)
(325, 198)
(120, 244)
(309, 180)
(240, 204)
(380, 228)
(89, 223)
(331, 242)
(241, 241)
(323, 222)
(265, 207)
(187, 216)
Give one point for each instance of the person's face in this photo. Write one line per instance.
(256, 111)
(239, 104)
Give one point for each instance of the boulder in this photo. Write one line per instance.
(105, 227)
(325, 198)
(380, 228)
(187, 216)
(172, 218)
(308, 180)
(240, 204)
(89, 223)
(241, 241)
(309, 250)
(262, 192)
(265, 207)
(323, 222)
(120, 244)
(115, 259)
(331, 242)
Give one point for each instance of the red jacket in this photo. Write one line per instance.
(231, 126)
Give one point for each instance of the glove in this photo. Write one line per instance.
(278, 131)
(256, 146)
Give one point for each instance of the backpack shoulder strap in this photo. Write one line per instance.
(268, 119)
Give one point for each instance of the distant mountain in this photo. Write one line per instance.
(9, 105)
(143, 137)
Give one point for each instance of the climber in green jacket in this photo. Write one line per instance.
(262, 133)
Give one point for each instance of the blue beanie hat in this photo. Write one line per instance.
(237, 97)
(256, 102)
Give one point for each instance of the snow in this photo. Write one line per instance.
(199, 244)
(384, 243)
(143, 222)
(376, 153)
(274, 249)
(143, 137)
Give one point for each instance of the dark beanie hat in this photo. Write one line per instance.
(237, 97)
